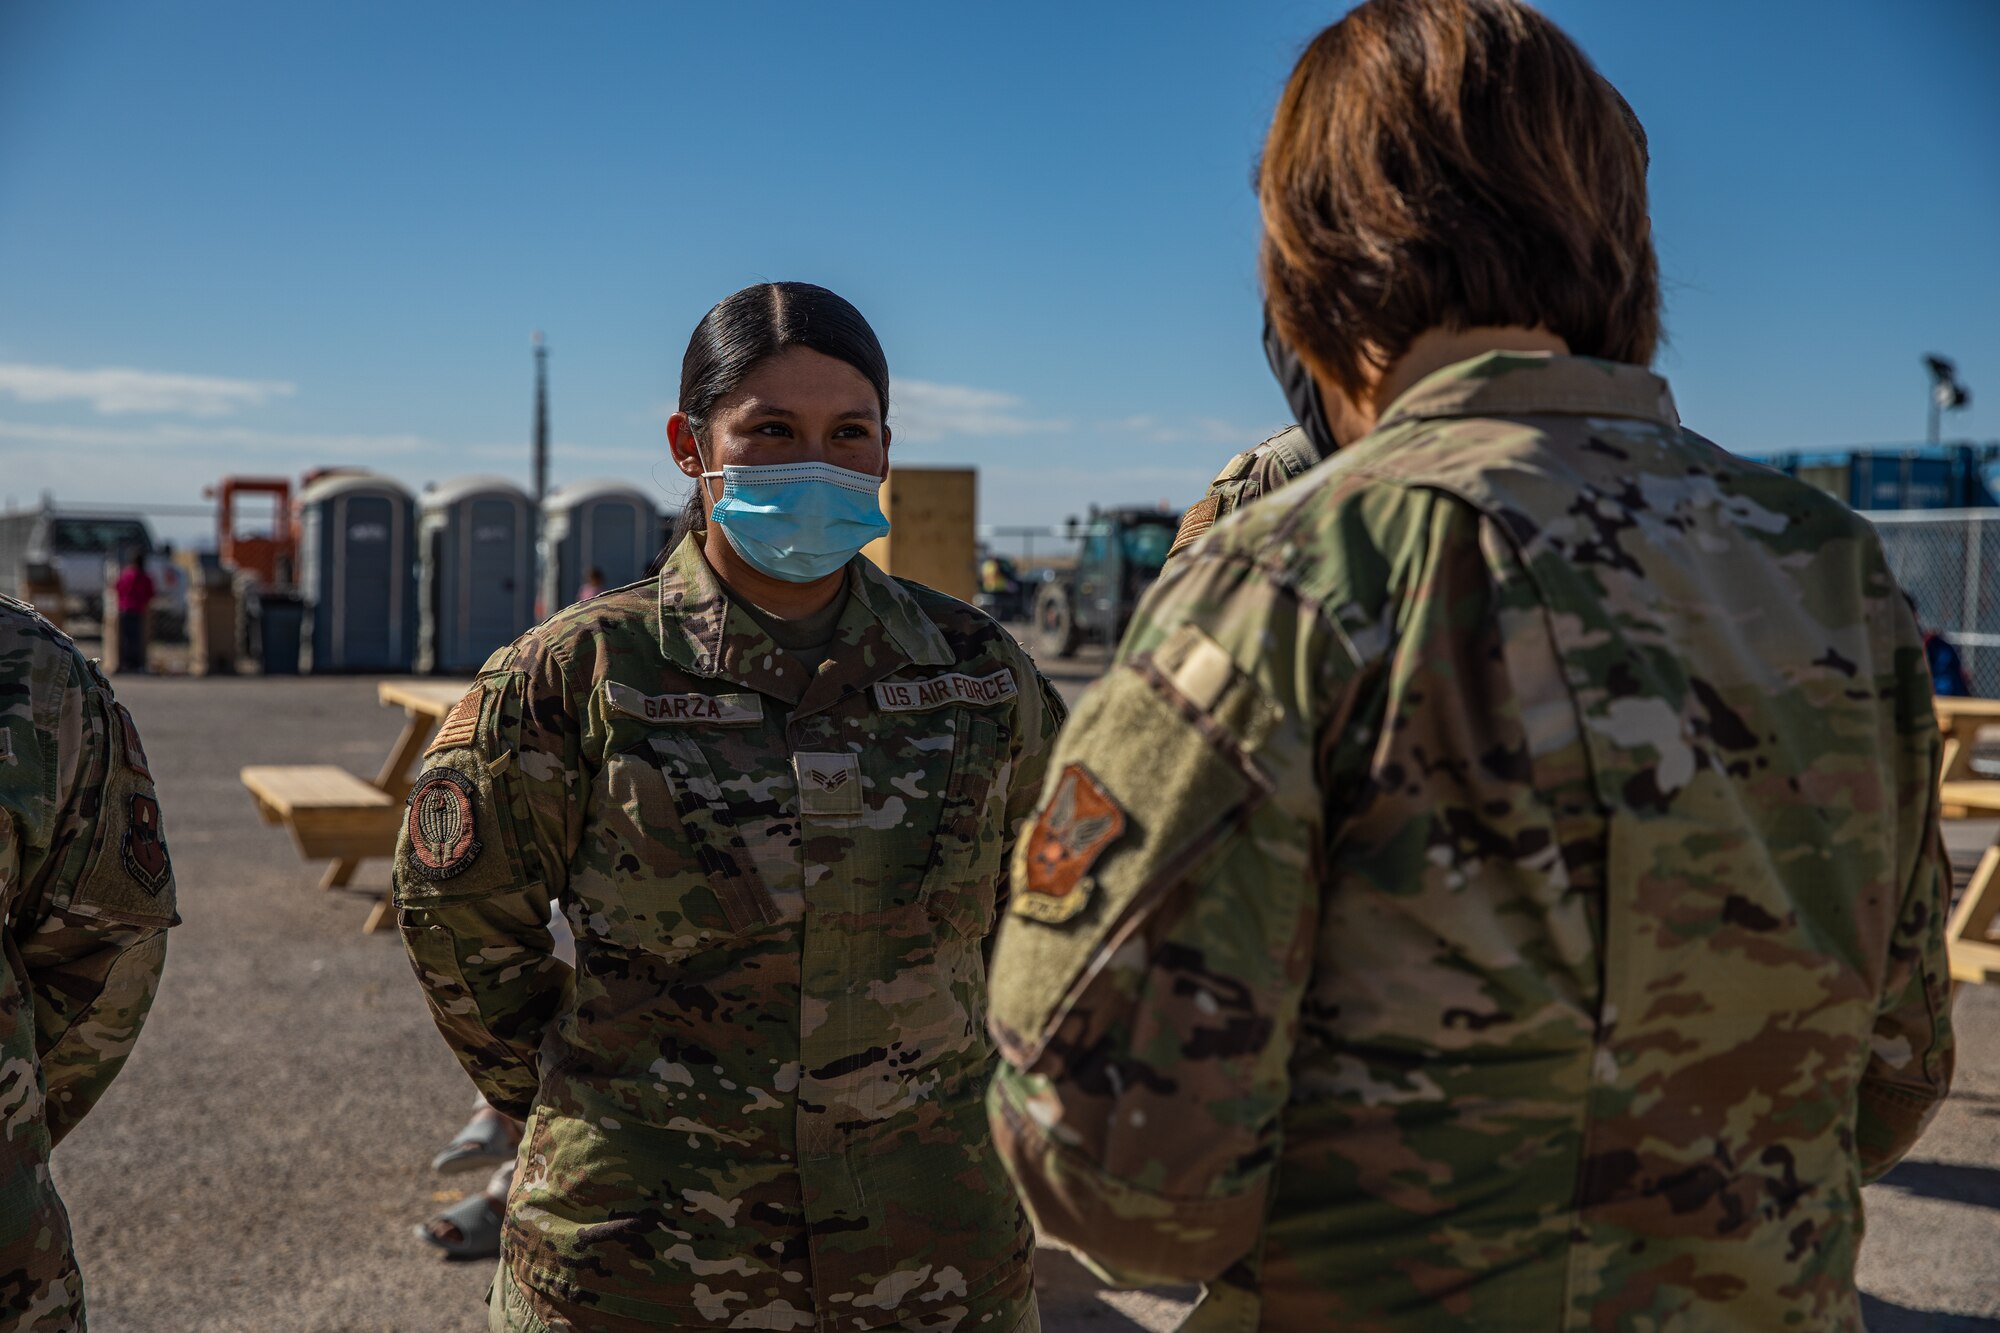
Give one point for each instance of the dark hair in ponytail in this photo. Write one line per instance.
(759, 322)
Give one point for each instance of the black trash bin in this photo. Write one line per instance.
(281, 619)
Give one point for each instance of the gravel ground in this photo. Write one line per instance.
(261, 1162)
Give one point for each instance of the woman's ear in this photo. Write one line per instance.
(680, 443)
(885, 451)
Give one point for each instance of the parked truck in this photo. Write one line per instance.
(1119, 554)
(84, 547)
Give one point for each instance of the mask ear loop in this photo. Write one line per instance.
(702, 479)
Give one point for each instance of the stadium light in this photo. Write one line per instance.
(1947, 394)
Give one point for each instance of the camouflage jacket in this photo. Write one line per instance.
(87, 893)
(757, 1102)
(1283, 458)
(1498, 886)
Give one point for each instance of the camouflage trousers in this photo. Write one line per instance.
(42, 1302)
(41, 1290)
(508, 1311)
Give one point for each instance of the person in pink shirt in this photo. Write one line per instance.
(135, 591)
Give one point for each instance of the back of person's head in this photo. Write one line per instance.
(1453, 164)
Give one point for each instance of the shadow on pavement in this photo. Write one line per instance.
(1953, 1182)
(1883, 1317)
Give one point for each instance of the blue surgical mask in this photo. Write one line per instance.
(798, 521)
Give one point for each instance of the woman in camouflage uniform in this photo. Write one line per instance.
(772, 790)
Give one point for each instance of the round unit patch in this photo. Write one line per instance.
(443, 824)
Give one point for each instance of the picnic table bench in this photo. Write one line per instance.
(336, 816)
(1975, 956)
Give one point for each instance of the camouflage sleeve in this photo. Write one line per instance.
(1233, 487)
(1148, 977)
(1910, 1060)
(1247, 477)
(484, 850)
(95, 941)
(1042, 720)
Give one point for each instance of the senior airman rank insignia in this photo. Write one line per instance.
(443, 823)
(1067, 839)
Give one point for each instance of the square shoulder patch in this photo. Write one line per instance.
(1070, 834)
(461, 723)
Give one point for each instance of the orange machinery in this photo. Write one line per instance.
(264, 555)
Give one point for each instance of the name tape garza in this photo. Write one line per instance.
(716, 710)
(910, 696)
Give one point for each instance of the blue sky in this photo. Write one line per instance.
(258, 238)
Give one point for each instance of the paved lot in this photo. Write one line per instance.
(263, 1159)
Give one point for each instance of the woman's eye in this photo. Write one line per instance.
(775, 428)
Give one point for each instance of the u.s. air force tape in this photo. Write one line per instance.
(910, 696)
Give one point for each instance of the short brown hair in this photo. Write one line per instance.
(1453, 163)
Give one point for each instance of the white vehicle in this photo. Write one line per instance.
(85, 548)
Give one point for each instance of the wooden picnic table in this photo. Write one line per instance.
(332, 813)
(1960, 721)
(1975, 956)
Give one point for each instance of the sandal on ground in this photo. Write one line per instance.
(478, 1223)
(486, 1141)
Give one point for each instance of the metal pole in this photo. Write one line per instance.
(541, 419)
(1933, 436)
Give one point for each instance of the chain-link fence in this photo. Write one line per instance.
(1949, 560)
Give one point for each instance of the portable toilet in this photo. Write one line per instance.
(603, 525)
(357, 573)
(476, 572)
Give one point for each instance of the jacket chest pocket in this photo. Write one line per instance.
(664, 867)
(714, 829)
(967, 859)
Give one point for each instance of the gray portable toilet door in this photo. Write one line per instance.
(367, 594)
(609, 540)
(489, 578)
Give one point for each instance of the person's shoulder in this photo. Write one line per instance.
(1336, 547)
(614, 623)
(968, 631)
(32, 650)
(1802, 508)
(1247, 477)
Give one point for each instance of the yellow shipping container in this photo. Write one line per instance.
(932, 512)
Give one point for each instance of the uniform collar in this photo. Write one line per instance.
(1514, 384)
(881, 630)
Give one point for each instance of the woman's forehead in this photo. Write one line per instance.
(799, 380)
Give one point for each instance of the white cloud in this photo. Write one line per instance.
(114, 390)
(162, 438)
(923, 412)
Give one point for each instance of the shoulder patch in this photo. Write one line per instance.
(719, 710)
(443, 823)
(145, 849)
(1070, 834)
(1199, 518)
(460, 723)
(135, 753)
(912, 696)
